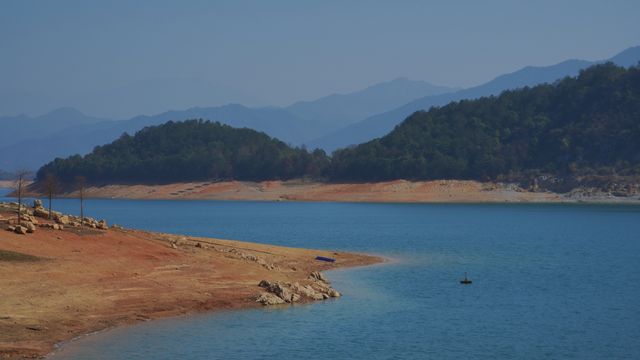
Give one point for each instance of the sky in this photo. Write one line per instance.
(122, 58)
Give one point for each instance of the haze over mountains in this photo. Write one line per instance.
(330, 122)
(380, 124)
(18, 128)
(296, 124)
(579, 128)
(336, 111)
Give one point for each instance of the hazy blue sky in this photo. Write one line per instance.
(86, 53)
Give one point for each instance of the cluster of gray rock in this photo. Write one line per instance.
(276, 293)
(613, 191)
(250, 257)
(589, 186)
(29, 221)
(25, 227)
(230, 251)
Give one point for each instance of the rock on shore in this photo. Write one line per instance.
(317, 288)
(29, 219)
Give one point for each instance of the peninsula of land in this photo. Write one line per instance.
(60, 281)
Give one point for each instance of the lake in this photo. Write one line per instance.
(549, 281)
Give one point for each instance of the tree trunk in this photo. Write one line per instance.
(81, 209)
(50, 196)
(19, 204)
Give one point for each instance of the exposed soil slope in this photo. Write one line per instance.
(84, 280)
(391, 191)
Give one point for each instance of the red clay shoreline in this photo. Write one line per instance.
(58, 347)
(397, 191)
(79, 281)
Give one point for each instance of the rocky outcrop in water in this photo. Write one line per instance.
(317, 276)
(269, 299)
(318, 288)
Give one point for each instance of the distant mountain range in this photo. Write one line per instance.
(380, 124)
(329, 123)
(81, 138)
(337, 110)
(58, 136)
(18, 128)
(581, 130)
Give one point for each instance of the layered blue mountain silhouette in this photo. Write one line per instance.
(380, 124)
(329, 123)
(297, 124)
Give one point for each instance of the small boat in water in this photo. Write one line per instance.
(465, 281)
(323, 258)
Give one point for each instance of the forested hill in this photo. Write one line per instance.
(584, 125)
(189, 151)
(587, 125)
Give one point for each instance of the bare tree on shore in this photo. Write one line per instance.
(80, 183)
(19, 185)
(51, 188)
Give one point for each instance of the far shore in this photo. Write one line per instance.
(8, 183)
(59, 284)
(397, 191)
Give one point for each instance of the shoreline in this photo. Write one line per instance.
(58, 347)
(397, 191)
(80, 281)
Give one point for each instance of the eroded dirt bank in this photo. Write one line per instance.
(437, 191)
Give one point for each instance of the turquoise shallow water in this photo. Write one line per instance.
(550, 281)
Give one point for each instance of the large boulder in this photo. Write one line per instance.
(102, 224)
(280, 290)
(317, 276)
(29, 218)
(41, 212)
(284, 293)
(90, 222)
(31, 227)
(307, 291)
(20, 230)
(62, 219)
(321, 285)
(269, 299)
(37, 203)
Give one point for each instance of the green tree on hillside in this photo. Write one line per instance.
(583, 124)
(193, 150)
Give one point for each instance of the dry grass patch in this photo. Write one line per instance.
(6, 255)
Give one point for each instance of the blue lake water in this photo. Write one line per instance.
(549, 281)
